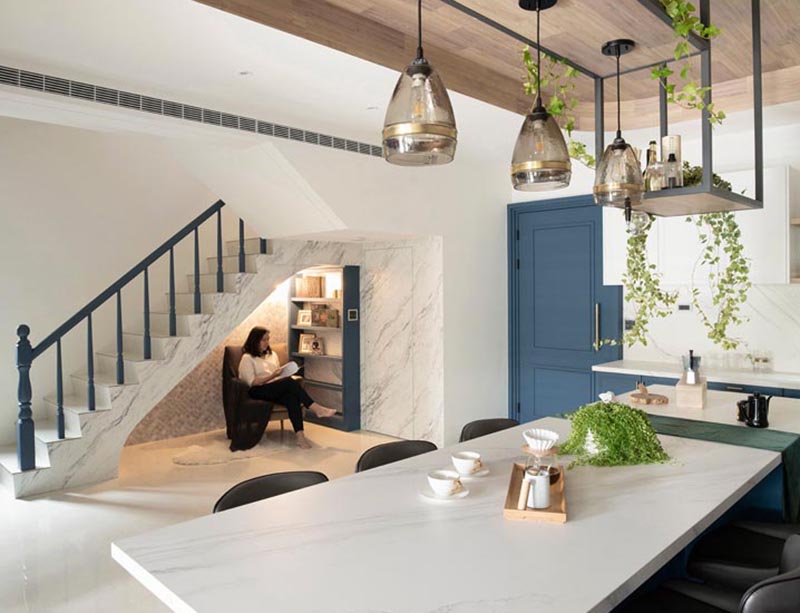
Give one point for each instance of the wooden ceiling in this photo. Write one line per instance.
(478, 60)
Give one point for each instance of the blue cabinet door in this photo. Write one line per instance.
(613, 382)
(559, 306)
(791, 393)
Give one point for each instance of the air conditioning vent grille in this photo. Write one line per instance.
(106, 95)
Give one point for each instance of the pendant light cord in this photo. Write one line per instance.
(419, 30)
(619, 101)
(538, 60)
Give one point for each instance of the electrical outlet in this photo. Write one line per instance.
(684, 307)
(629, 323)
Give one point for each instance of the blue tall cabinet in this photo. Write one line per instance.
(558, 306)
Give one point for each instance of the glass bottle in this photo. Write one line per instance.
(672, 171)
(654, 173)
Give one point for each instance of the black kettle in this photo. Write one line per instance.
(756, 410)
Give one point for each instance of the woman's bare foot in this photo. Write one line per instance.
(302, 441)
(321, 411)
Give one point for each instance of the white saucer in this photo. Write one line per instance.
(427, 492)
(481, 473)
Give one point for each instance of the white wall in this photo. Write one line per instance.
(79, 209)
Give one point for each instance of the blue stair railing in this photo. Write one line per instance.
(26, 353)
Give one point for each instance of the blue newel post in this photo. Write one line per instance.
(26, 453)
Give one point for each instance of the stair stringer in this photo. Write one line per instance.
(94, 456)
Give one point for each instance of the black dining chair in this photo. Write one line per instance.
(482, 427)
(777, 594)
(267, 486)
(392, 452)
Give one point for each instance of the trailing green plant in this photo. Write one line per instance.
(643, 288)
(612, 434)
(690, 94)
(722, 253)
(557, 78)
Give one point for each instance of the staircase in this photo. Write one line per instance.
(95, 409)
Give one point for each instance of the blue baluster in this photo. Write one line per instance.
(89, 364)
(173, 320)
(26, 449)
(220, 276)
(197, 302)
(120, 361)
(59, 393)
(241, 245)
(148, 351)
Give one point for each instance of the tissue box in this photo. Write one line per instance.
(691, 396)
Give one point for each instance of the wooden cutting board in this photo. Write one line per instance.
(642, 396)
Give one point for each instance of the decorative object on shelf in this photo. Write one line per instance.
(671, 145)
(419, 128)
(304, 345)
(692, 94)
(654, 174)
(337, 294)
(308, 286)
(618, 179)
(318, 346)
(324, 317)
(643, 288)
(672, 172)
(642, 396)
(612, 434)
(541, 160)
(304, 317)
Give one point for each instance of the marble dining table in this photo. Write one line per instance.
(371, 542)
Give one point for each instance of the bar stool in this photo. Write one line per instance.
(392, 452)
(482, 427)
(267, 486)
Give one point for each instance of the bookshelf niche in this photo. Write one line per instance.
(324, 339)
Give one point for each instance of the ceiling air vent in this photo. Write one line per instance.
(128, 100)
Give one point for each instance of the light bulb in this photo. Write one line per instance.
(419, 97)
(638, 222)
(538, 137)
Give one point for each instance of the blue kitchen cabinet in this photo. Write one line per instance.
(791, 393)
(745, 389)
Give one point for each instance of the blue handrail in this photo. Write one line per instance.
(26, 353)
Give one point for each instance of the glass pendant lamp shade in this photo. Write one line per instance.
(420, 128)
(618, 176)
(541, 159)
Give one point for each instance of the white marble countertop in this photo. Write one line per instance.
(784, 413)
(370, 542)
(718, 375)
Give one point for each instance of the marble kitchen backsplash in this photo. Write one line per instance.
(772, 328)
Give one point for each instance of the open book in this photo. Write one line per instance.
(287, 370)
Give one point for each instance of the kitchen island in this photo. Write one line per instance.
(370, 542)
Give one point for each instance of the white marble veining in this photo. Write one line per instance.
(402, 389)
(370, 542)
(784, 413)
(719, 375)
(95, 455)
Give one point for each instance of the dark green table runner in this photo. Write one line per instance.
(787, 443)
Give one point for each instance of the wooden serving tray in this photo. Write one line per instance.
(555, 513)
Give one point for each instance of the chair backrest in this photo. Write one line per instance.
(267, 486)
(779, 594)
(392, 452)
(482, 427)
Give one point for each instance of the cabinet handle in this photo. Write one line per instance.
(734, 388)
(597, 326)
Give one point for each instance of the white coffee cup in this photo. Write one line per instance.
(444, 483)
(467, 462)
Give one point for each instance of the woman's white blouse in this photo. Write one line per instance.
(251, 367)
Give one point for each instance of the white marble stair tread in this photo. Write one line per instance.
(252, 245)
(75, 403)
(129, 355)
(230, 263)
(100, 378)
(47, 431)
(9, 460)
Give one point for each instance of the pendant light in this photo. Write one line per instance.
(419, 128)
(618, 179)
(541, 159)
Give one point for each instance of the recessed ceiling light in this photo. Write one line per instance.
(245, 73)
(373, 108)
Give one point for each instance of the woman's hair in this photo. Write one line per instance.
(253, 340)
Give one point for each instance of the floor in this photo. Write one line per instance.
(56, 548)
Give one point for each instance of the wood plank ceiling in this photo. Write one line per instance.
(478, 60)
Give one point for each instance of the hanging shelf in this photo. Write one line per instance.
(695, 199)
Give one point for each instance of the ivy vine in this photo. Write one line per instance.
(643, 288)
(558, 78)
(691, 95)
(722, 253)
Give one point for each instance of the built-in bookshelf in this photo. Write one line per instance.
(324, 340)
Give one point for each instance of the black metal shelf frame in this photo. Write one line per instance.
(703, 49)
